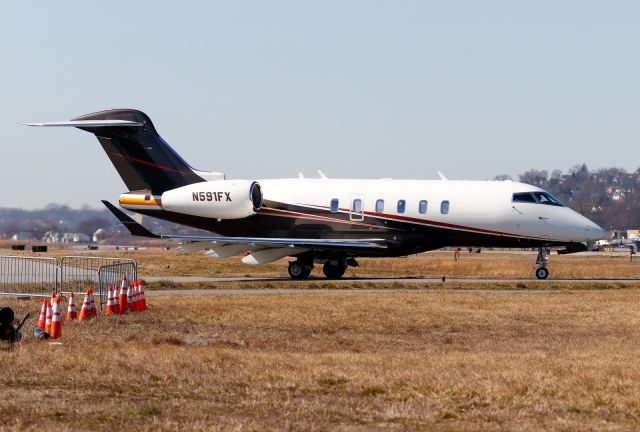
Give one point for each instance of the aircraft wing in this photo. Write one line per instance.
(138, 230)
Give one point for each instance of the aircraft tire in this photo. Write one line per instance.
(333, 271)
(542, 273)
(298, 271)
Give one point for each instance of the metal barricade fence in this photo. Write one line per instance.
(78, 273)
(111, 274)
(28, 275)
(38, 276)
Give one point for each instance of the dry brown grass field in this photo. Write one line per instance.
(159, 262)
(422, 360)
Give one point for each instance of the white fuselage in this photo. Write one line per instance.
(476, 206)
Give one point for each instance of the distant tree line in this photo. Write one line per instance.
(608, 196)
(62, 218)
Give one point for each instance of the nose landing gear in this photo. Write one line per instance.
(541, 263)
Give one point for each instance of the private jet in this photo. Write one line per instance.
(324, 221)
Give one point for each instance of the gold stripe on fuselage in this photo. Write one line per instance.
(139, 200)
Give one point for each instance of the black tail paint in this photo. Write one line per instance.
(142, 158)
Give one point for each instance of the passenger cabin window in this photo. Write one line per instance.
(357, 206)
(536, 198)
(402, 205)
(422, 207)
(444, 207)
(380, 206)
(334, 205)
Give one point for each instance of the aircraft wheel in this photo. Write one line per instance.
(299, 271)
(542, 273)
(334, 271)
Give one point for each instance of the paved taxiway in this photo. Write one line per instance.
(381, 280)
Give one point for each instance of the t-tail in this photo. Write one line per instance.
(142, 158)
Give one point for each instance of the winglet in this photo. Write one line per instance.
(442, 176)
(134, 227)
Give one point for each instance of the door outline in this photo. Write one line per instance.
(353, 214)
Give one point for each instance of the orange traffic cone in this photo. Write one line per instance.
(72, 312)
(56, 321)
(143, 301)
(92, 304)
(123, 295)
(114, 300)
(42, 321)
(138, 297)
(130, 303)
(85, 312)
(49, 316)
(111, 304)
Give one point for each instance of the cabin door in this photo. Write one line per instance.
(356, 210)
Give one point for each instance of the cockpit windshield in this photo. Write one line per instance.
(537, 197)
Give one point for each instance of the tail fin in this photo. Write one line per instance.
(142, 158)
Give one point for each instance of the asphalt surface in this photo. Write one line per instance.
(379, 280)
(321, 291)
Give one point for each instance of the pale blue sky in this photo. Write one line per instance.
(356, 88)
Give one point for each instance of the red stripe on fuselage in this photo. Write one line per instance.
(432, 223)
(310, 216)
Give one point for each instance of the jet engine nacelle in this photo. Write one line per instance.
(219, 199)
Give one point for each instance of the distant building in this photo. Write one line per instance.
(56, 237)
(99, 235)
(22, 236)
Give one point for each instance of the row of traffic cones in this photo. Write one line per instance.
(130, 298)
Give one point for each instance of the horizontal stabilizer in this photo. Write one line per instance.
(134, 227)
(88, 123)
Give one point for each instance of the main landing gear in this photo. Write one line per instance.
(541, 263)
(332, 268)
(300, 270)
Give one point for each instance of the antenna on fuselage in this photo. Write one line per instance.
(442, 176)
(322, 175)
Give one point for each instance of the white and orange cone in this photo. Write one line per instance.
(42, 321)
(111, 303)
(122, 300)
(116, 304)
(143, 300)
(49, 316)
(72, 312)
(92, 305)
(85, 312)
(56, 321)
(130, 304)
(138, 297)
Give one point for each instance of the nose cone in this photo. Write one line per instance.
(594, 231)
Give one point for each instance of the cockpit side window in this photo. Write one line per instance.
(547, 198)
(525, 197)
(537, 198)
